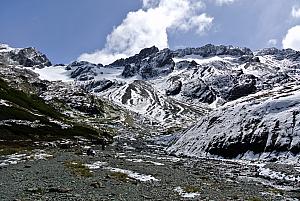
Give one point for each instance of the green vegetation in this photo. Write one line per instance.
(119, 176)
(78, 168)
(31, 108)
(191, 189)
(28, 101)
(9, 149)
(254, 199)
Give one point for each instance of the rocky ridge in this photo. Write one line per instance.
(174, 89)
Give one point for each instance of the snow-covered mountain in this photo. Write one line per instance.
(236, 102)
(264, 125)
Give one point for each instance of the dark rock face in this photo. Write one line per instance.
(99, 85)
(160, 64)
(82, 70)
(174, 89)
(155, 64)
(212, 50)
(199, 90)
(130, 71)
(186, 64)
(175, 86)
(59, 64)
(281, 54)
(245, 86)
(29, 57)
(144, 53)
(263, 125)
(151, 62)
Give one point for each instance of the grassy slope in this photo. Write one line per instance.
(31, 108)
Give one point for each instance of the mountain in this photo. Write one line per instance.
(34, 109)
(228, 101)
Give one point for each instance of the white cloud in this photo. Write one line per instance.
(224, 2)
(295, 12)
(150, 3)
(201, 23)
(272, 42)
(292, 38)
(149, 26)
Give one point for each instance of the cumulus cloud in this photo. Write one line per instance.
(272, 42)
(149, 26)
(292, 38)
(295, 12)
(224, 2)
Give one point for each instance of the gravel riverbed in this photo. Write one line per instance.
(132, 170)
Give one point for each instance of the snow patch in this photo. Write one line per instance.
(96, 165)
(184, 194)
(271, 174)
(53, 73)
(134, 175)
(142, 161)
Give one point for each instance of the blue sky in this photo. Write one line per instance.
(65, 29)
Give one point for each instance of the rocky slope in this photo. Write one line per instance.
(177, 87)
(264, 125)
(228, 90)
(32, 109)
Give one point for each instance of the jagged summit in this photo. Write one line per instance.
(28, 57)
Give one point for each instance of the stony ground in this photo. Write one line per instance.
(132, 170)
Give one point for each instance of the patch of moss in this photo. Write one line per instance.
(254, 199)
(191, 189)
(9, 150)
(78, 168)
(119, 176)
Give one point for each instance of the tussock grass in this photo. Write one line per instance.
(78, 168)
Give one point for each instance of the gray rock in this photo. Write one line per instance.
(197, 89)
(30, 57)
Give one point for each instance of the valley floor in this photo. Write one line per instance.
(130, 169)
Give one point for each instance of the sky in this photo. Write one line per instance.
(101, 31)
